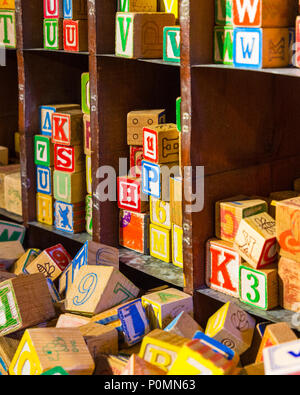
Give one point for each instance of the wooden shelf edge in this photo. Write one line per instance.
(153, 61)
(11, 216)
(44, 50)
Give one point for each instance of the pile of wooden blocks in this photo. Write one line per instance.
(154, 150)
(255, 34)
(7, 24)
(147, 29)
(60, 165)
(65, 25)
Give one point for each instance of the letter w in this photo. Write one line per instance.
(246, 6)
(247, 52)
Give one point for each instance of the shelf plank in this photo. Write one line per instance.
(275, 315)
(54, 51)
(11, 216)
(153, 61)
(153, 267)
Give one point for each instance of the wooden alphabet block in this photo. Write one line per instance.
(160, 243)
(10, 252)
(25, 301)
(230, 213)
(223, 45)
(68, 159)
(163, 306)
(89, 181)
(8, 348)
(7, 28)
(20, 265)
(7, 4)
(282, 360)
(69, 187)
(183, 325)
(44, 180)
(69, 217)
(223, 12)
(177, 246)
(130, 195)
(10, 231)
(89, 214)
(222, 267)
(44, 209)
(172, 44)
(85, 93)
(139, 367)
(137, 5)
(46, 116)
(75, 9)
(289, 284)
(67, 127)
(98, 288)
(256, 240)
(178, 114)
(279, 196)
(44, 155)
(51, 262)
(87, 134)
(53, 9)
(13, 193)
(136, 157)
(134, 321)
(255, 369)
(176, 200)
(259, 288)
(53, 34)
(137, 120)
(258, 48)
(57, 371)
(160, 213)
(161, 348)
(275, 334)
(72, 321)
(53, 292)
(4, 171)
(75, 35)
(100, 339)
(140, 35)
(4, 275)
(170, 6)
(3, 156)
(232, 327)
(43, 349)
(134, 231)
(264, 13)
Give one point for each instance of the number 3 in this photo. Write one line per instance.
(254, 286)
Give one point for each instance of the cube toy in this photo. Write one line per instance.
(67, 127)
(87, 134)
(196, 358)
(161, 143)
(136, 157)
(160, 213)
(42, 349)
(43, 151)
(20, 266)
(8, 348)
(170, 6)
(10, 231)
(53, 9)
(88, 167)
(163, 306)
(17, 144)
(68, 159)
(75, 35)
(289, 284)
(161, 348)
(223, 12)
(134, 231)
(25, 302)
(75, 9)
(160, 243)
(51, 262)
(44, 209)
(256, 240)
(46, 116)
(10, 252)
(232, 327)
(282, 359)
(137, 5)
(69, 188)
(3, 156)
(4, 171)
(264, 13)
(279, 196)
(53, 291)
(13, 193)
(71, 321)
(7, 4)
(223, 45)
(255, 369)
(222, 267)
(90, 295)
(137, 120)
(53, 34)
(7, 28)
(259, 288)
(275, 334)
(85, 93)
(100, 339)
(130, 195)
(230, 213)
(139, 367)
(172, 44)
(292, 46)
(135, 324)
(178, 114)
(89, 214)
(44, 180)
(183, 325)
(5, 275)
(140, 35)
(176, 200)
(57, 371)
(69, 217)
(258, 48)
(177, 246)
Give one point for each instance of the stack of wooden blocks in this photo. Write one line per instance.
(65, 25)
(255, 34)
(7, 24)
(146, 30)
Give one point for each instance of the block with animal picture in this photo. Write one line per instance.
(232, 327)
(43, 151)
(53, 34)
(289, 284)
(46, 112)
(163, 306)
(44, 208)
(161, 243)
(69, 187)
(44, 180)
(259, 288)
(7, 28)
(26, 302)
(51, 262)
(89, 214)
(223, 12)
(137, 120)
(256, 241)
(170, 6)
(172, 44)
(140, 35)
(67, 127)
(75, 35)
(137, 5)
(131, 196)
(222, 267)
(177, 246)
(98, 288)
(43, 349)
(13, 193)
(223, 45)
(75, 9)
(87, 134)
(283, 359)
(69, 159)
(136, 157)
(134, 231)
(69, 217)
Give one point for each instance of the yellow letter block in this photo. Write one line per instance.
(160, 243)
(170, 6)
(160, 213)
(177, 251)
(44, 208)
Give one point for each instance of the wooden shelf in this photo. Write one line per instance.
(154, 61)
(55, 51)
